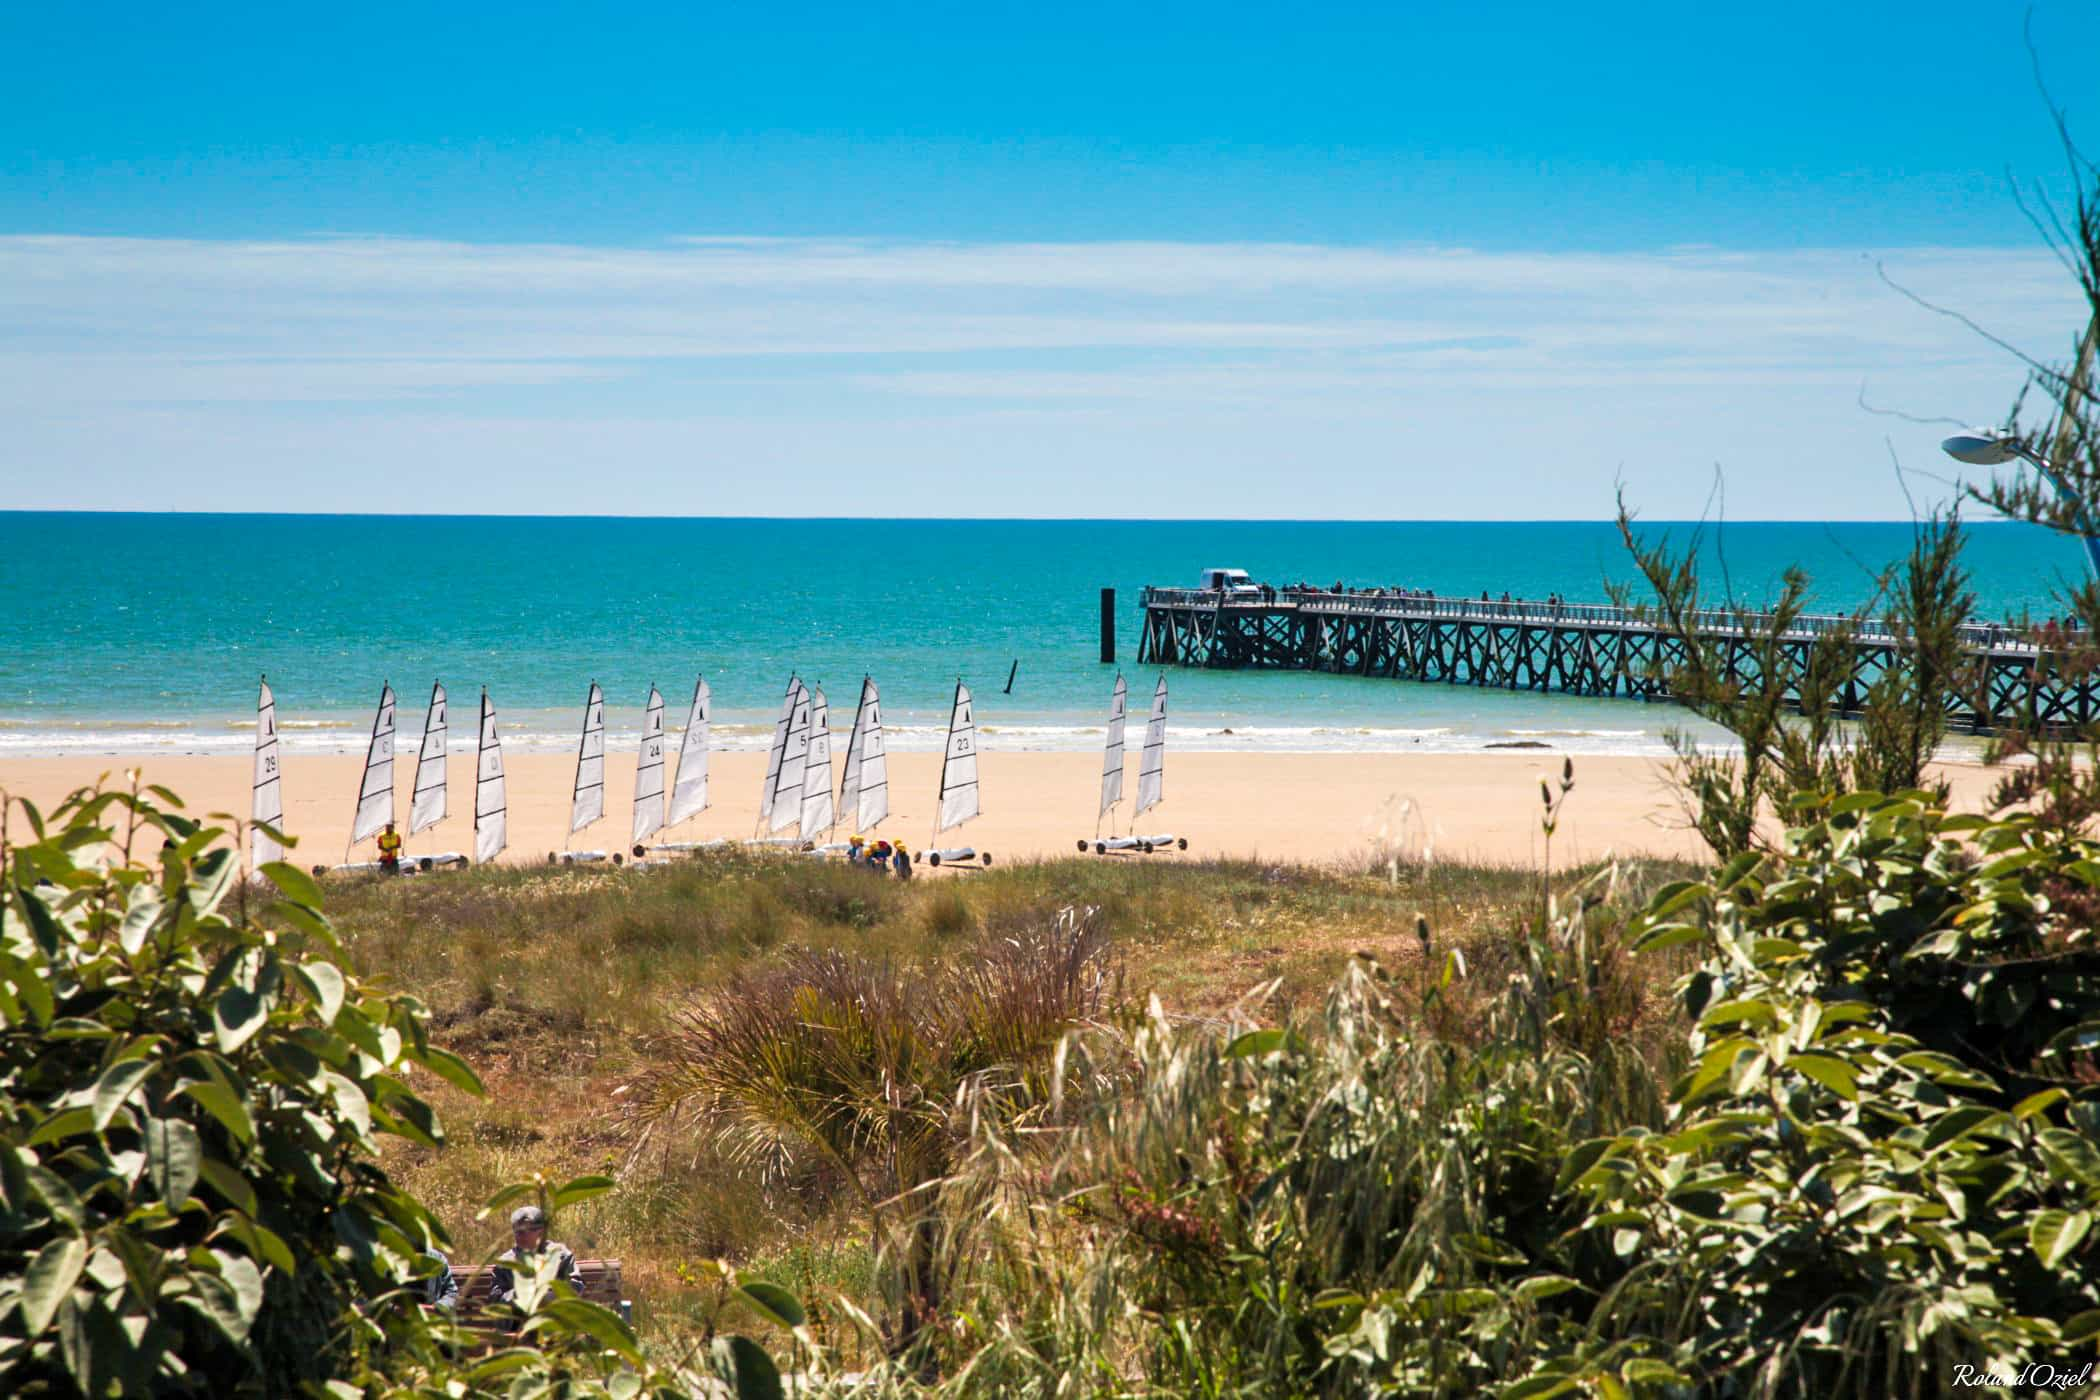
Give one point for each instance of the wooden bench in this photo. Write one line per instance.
(597, 1281)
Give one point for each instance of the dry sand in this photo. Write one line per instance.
(1292, 807)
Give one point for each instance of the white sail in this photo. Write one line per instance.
(375, 793)
(787, 786)
(959, 764)
(268, 804)
(817, 811)
(773, 755)
(428, 806)
(491, 826)
(649, 771)
(588, 802)
(689, 782)
(1152, 762)
(864, 797)
(1112, 757)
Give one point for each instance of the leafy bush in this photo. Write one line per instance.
(1861, 1186)
(191, 1096)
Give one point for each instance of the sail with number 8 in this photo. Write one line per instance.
(817, 809)
(864, 795)
(428, 806)
(375, 792)
(267, 806)
(491, 824)
(649, 771)
(959, 765)
(1152, 761)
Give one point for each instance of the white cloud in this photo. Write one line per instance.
(1162, 365)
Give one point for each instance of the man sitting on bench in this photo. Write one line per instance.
(528, 1235)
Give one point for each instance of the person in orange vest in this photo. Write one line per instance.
(390, 850)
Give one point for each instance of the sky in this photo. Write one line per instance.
(1389, 261)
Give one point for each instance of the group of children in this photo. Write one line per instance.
(878, 855)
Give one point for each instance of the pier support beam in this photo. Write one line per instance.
(1108, 626)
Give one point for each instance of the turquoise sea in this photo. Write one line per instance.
(126, 633)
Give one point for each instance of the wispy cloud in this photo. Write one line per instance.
(851, 349)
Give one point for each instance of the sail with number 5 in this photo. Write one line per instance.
(817, 810)
(491, 823)
(587, 804)
(1152, 761)
(429, 805)
(689, 782)
(267, 806)
(1112, 755)
(864, 795)
(649, 771)
(959, 765)
(375, 792)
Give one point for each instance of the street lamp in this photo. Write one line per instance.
(1988, 448)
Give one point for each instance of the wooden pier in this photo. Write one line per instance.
(1572, 648)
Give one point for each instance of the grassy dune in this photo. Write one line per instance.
(557, 983)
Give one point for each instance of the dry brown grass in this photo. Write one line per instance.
(557, 985)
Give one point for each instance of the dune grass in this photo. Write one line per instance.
(561, 985)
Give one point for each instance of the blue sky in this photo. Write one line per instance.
(1471, 261)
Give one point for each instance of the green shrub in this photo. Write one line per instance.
(1866, 1181)
(191, 1096)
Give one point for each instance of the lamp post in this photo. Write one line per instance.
(1986, 448)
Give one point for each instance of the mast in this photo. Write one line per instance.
(689, 782)
(649, 771)
(1112, 754)
(375, 791)
(490, 820)
(266, 807)
(1152, 762)
(958, 765)
(773, 755)
(818, 814)
(588, 802)
(429, 804)
(787, 787)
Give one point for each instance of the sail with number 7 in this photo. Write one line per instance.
(779, 748)
(491, 823)
(959, 765)
(375, 791)
(267, 805)
(689, 782)
(1152, 761)
(649, 771)
(428, 806)
(587, 804)
(864, 795)
(1112, 755)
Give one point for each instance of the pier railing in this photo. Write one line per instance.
(1986, 636)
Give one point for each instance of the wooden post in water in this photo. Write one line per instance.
(1108, 626)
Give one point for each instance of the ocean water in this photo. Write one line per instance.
(129, 634)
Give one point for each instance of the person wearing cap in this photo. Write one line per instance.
(900, 861)
(528, 1237)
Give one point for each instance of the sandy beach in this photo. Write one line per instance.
(1294, 807)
